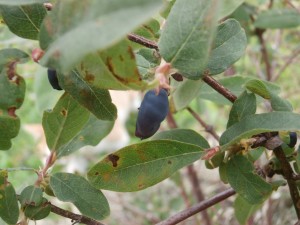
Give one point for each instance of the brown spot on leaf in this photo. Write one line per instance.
(89, 77)
(113, 159)
(81, 138)
(121, 58)
(149, 29)
(96, 174)
(141, 186)
(11, 111)
(131, 53)
(19, 100)
(64, 112)
(177, 77)
(56, 54)
(169, 162)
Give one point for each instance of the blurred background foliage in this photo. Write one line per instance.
(171, 195)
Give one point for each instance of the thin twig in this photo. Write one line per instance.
(198, 192)
(286, 64)
(142, 41)
(184, 214)
(208, 128)
(259, 33)
(289, 176)
(219, 88)
(73, 216)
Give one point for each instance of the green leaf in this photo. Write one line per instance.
(278, 19)
(20, 2)
(96, 100)
(9, 128)
(250, 186)
(182, 135)
(243, 210)
(187, 36)
(12, 55)
(142, 165)
(63, 122)
(38, 212)
(25, 20)
(101, 24)
(91, 134)
(69, 187)
(229, 46)
(264, 90)
(244, 106)
(149, 30)
(31, 195)
(228, 7)
(114, 68)
(234, 84)
(9, 210)
(185, 93)
(260, 123)
(12, 88)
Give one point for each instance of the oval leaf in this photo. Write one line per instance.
(96, 100)
(259, 123)
(278, 19)
(63, 122)
(31, 195)
(69, 187)
(187, 36)
(142, 165)
(241, 177)
(38, 212)
(101, 24)
(229, 46)
(25, 20)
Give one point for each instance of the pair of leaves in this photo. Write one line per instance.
(70, 33)
(35, 206)
(229, 45)
(68, 127)
(260, 88)
(187, 36)
(12, 88)
(150, 161)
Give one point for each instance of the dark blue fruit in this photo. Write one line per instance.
(293, 139)
(52, 77)
(152, 112)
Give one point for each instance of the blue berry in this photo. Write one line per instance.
(153, 110)
(293, 139)
(52, 77)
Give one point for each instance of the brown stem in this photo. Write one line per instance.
(259, 33)
(198, 191)
(42, 173)
(219, 88)
(208, 128)
(73, 216)
(184, 214)
(289, 176)
(142, 41)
